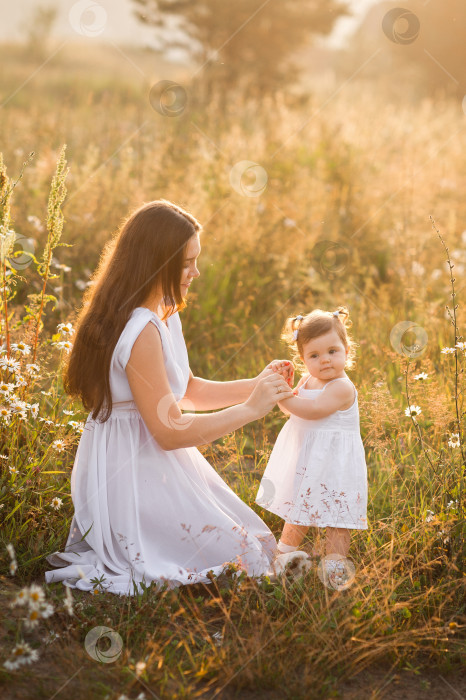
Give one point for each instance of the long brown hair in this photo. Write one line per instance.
(147, 250)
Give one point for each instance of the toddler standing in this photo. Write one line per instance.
(316, 474)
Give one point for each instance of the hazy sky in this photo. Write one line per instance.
(118, 21)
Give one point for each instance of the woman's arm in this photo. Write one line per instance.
(158, 407)
(207, 395)
(331, 400)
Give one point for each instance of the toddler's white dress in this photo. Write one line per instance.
(316, 473)
(155, 515)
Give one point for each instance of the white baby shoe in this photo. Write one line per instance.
(296, 563)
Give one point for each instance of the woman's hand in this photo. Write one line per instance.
(270, 389)
(282, 367)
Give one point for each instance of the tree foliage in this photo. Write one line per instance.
(246, 43)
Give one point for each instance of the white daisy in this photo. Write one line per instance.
(56, 503)
(34, 408)
(13, 470)
(5, 414)
(32, 368)
(421, 376)
(64, 345)
(461, 346)
(20, 381)
(59, 445)
(21, 347)
(452, 504)
(413, 411)
(65, 328)
(35, 594)
(454, 440)
(6, 388)
(21, 597)
(24, 654)
(45, 421)
(9, 364)
(429, 516)
(448, 351)
(68, 413)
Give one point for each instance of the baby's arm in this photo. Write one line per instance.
(300, 383)
(329, 401)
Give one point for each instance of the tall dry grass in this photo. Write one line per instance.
(344, 218)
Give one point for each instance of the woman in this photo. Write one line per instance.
(148, 506)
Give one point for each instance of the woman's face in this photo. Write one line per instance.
(325, 356)
(190, 271)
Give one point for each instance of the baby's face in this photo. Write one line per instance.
(325, 356)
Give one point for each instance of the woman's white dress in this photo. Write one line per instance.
(316, 473)
(154, 515)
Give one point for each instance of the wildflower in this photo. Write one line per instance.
(5, 414)
(461, 346)
(21, 597)
(454, 440)
(56, 503)
(429, 516)
(59, 445)
(64, 345)
(140, 667)
(65, 328)
(68, 413)
(36, 595)
(13, 470)
(448, 351)
(46, 393)
(6, 388)
(421, 376)
(60, 266)
(20, 381)
(452, 504)
(417, 268)
(4, 457)
(36, 223)
(10, 364)
(34, 408)
(21, 347)
(22, 654)
(444, 536)
(47, 422)
(413, 411)
(32, 369)
(51, 636)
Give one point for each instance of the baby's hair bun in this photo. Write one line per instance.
(342, 314)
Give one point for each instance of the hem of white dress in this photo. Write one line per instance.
(346, 526)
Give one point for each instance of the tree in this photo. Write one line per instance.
(243, 43)
(423, 43)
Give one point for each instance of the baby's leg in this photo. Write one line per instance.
(293, 535)
(337, 541)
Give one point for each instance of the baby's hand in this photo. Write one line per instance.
(285, 368)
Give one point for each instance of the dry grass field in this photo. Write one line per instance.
(351, 176)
